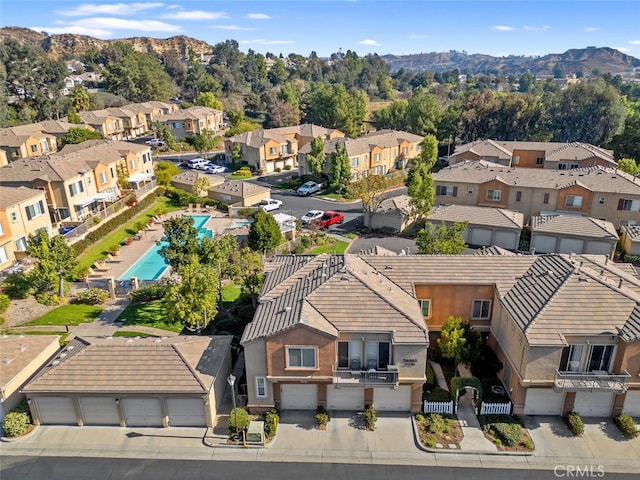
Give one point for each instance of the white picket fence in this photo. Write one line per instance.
(438, 407)
(495, 408)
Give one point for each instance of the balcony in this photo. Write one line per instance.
(367, 378)
(585, 381)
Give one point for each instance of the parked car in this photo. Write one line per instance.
(311, 215)
(155, 142)
(270, 204)
(329, 218)
(213, 168)
(308, 188)
(197, 163)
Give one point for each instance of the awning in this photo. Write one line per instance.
(139, 177)
(85, 202)
(105, 196)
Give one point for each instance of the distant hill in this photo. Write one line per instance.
(584, 60)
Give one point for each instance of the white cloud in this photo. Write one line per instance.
(370, 42)
(87, 9)
(230, 27)
(634, 42)
(258, 16)
(530, 28)
(75, 29)
(109, 24)
(503, 28)
(590, 29)
(194, 15)
(621, 49)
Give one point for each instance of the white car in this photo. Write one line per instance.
(311, 215)
(213, 168)
(271, 204)
(155, 142)
(308, 188)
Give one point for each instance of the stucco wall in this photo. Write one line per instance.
(456, 300)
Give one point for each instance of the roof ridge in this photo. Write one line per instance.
(191, 369)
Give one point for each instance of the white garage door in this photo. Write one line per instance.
(593, 404)
(186, 412)
(345, 398)
(543, 401)
(480, 237)
(142, 412)
(569, 245)
(506, 240)
(543, 243)
(299, 397)
(99, 411)
(392, 400)
(599, 248)
(632, 403)
(57, 411)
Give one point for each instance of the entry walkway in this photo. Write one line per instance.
(473, 440)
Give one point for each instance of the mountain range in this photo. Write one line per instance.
(574, 61)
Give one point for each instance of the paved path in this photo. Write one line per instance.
(473, 440)
(437, 370)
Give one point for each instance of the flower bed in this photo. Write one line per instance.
(438, 430)
(507, 432)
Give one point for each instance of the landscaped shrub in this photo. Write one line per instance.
(238, 420)
(626, 425)
(5, 301)
(92, 296)
(435, 423)
(575, 423)
(322, 417)
(509, 433)
(305, 240)
(49, 299)
(18, 285)
(147, 294)
(419, 417)
(271, 420)
(370, 418)
(287, 167)
(299, 249)
(431, 377)
(15, 423)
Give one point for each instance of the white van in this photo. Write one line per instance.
(196, 162)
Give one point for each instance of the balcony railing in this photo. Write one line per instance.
(581, 381)
(362, 378)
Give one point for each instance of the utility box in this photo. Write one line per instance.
(255, 433)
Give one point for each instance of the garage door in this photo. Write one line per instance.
(186, 412)
(480, 237)
(299, 397)
(508, 240)
(99, 411)
(593, 404)
(57, 411)
(599, 248)
(569, 245)
(543, 401)
(543, 243)
(632, 403)
(392, 400)
(142, 412)
(345, 398)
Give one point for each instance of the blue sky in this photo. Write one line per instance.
(508, 27)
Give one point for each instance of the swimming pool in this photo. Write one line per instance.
(151, 265)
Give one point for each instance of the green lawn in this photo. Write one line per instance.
(101, 249)
(351, 235)
(337, 248)
(234, 176)
(152, 314)
(72, 314)
(230, 293)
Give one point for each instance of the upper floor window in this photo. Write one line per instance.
(355, 161)
(629, 205)
(111, 172)
(349, 355)
(132, 164)
(602, 200)
(34, 210)
(539, 160)
(426, 307)
(14, 216)
(76, 188)
(21, 244)
(518, 196)
(600, 358)
(494, 195)
(570, 359)
(272, 150)
(3, 255)
(34, 148)
(376, 157)
(404, 150)
(573, 201)
(103, 177)
(446, 191)
(545, 200)
(1, 229)
(481, 308)
(261, 387)
(301, 357)
(568, 166)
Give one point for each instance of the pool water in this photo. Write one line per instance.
(151, 265)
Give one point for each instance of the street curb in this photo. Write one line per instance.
(20, 437)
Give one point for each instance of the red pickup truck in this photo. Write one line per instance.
(329, 218)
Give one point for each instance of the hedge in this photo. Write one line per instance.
(575, 423)
(184, 198)
(458, 383)
(626, 425)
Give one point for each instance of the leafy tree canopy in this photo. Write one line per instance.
(316, 157)
(56, 259)
(441, 240)
(264, 232)
(340, 168)
(78, 135)
(452, 341)
(165, 171)
(420, 188)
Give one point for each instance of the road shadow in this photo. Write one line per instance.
(303, 419)
(607, 427)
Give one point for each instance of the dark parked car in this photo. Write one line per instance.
(329, 218)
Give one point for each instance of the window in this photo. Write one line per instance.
(481, 308)
(14, 216)
(570, 359)
(34, 149)
(3, 255)
(261, 387)
(301, 357)
(404, 150)
(518, 196)
(76, 188)
(34, 210)
(376, 157)
(567, 166)
(272, 150)
(539, 160)
(349, 355)
(629, 205)
(103, 177)
(573, 201)
(426, 307)
(21, 244)
(601, 200)
(113, 175)
(355, 161)
(376, 355)
(446, 191)
(494, 195)
(132, 164)
(546, 199)
(600, 357)
(1, 229)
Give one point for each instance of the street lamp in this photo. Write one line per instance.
(231, 380)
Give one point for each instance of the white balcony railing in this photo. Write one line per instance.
(601, 381)
(361, 378)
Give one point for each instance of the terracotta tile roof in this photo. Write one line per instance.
(183, 364)
(633, 231)
(400, 205)
(484, 216)
(574, 225)
(238, 187)
(18, 351)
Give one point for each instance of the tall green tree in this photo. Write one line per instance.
(77, 135)
(201, 186)
(165, 171)
(204, 142)
(423, 113)
(264, 232)
(316, 157)
(428, 151)
(208, 99)
(452, 341)
(79, 98)
(183, 243)
(340, 169)
(441, 240)
(248, 265)
(193, 300)
(629, 165)
(370, 190)
(55, 261)
(420, 189)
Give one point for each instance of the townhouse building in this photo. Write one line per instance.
(134, 121)
(599, 192)
(193, 120)
(23, 211)
(108, 125)
(344, 331)
(547, 155)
